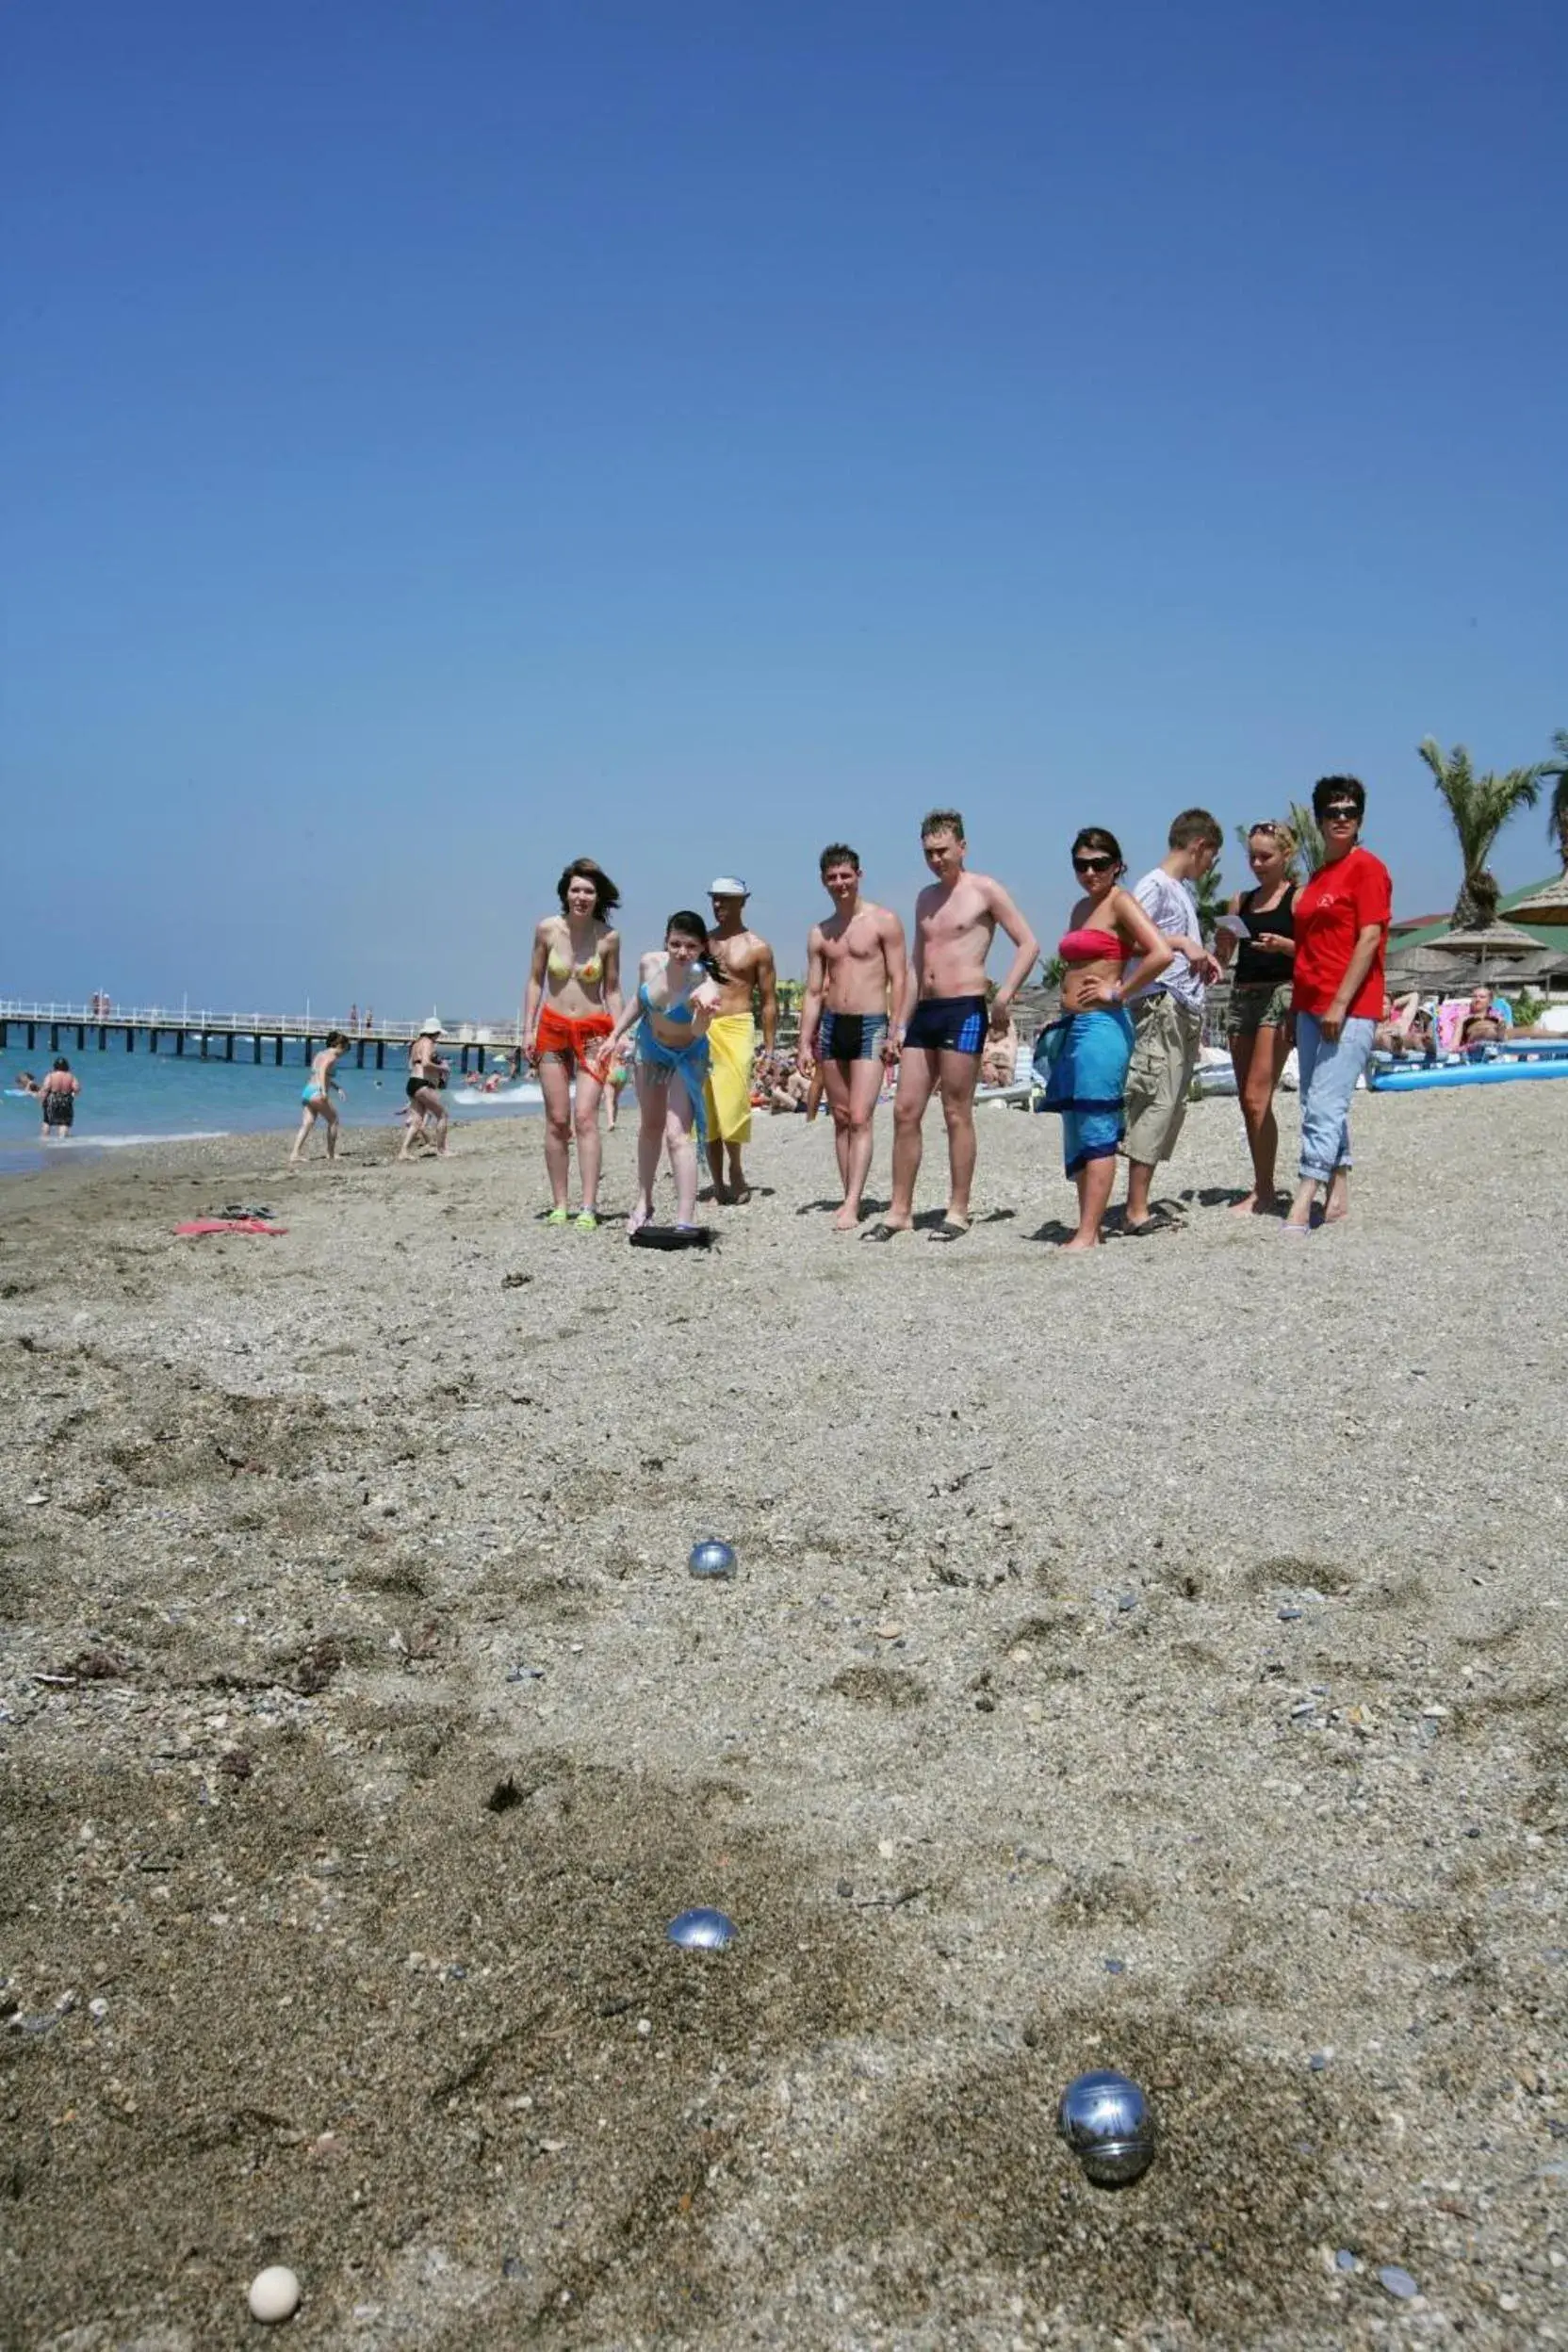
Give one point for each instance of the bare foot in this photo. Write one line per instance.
(847, 1218)
(638, 1218)
(1337, 1206)
(1083, 1241)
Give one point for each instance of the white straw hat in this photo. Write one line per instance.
(728, 886)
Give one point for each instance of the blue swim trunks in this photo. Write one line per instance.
(948, 1024)
(851, 1036)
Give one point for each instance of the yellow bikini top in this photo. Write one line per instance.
(561, 967)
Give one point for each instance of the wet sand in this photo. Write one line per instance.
(1154, 1659)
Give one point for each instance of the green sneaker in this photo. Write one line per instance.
(587, 1221)
(558, 1216)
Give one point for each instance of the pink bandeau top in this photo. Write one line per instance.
(1089, 947)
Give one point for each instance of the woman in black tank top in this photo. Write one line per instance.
(1260, 932)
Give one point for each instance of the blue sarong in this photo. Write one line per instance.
(692, 1063)
(1083, 1060)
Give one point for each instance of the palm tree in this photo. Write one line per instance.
(1479, 807)
(1309, 836)
(1557, 815)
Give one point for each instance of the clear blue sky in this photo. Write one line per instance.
(442, 436)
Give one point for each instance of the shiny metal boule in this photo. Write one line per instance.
(702, 1931)
(710, 1558)
(1106, 2122)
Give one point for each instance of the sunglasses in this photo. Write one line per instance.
(1092, 865)
(1343, 812)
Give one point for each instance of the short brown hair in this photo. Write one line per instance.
(942, 820)
(837, 854)
(1195, 828)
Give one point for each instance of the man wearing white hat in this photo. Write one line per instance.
(746, 978)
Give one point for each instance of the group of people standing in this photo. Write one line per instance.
(1309, 968)
(690, 1029)
(1117, 1064)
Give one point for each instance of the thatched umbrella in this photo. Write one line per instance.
(1453, 952)
(1545, 906)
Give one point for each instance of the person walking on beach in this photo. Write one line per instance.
(57, 1100)
(1168, 1018)
(857, 967)
(425, 1117)
(1258, 1026)
(678, 997)
(317, 1102)
(1111, 950)
(744, 963)
(569, 1008)
(957, 918)
(1342, 919)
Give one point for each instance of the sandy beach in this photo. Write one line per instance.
(1152, 1659)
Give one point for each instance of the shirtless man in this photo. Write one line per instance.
(957, 918)
(855, 969)
(746, 973)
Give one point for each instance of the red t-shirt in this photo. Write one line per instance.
(1331, 911)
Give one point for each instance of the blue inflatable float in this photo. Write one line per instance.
(1400, 1079)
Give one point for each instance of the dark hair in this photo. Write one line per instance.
(60, 1062)
(606, 896)
(1195, 828)
(1096, 836)
(837, 854)
(691, 926)
(942, 820)
(335, 1037)
(1329, 787)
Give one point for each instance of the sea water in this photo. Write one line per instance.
(160, 1098)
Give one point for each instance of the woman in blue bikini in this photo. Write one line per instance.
(676, 998)
(316, 1099)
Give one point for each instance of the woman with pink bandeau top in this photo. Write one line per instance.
(1111, 951)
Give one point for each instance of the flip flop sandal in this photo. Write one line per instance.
(586, 1221)
(1151, 1225)
(558, 1216)
(950, 1229)
(886, 1233)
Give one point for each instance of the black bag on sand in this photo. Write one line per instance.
(672, 1237)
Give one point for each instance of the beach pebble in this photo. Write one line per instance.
(1288, 1616)
(98, 2008)
(274, 2293)
(1345, 2260)
(1397, 2282)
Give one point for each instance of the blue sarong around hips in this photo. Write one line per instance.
(688, 1062)
(1083, 1060)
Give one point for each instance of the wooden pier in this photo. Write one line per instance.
(254, 1037)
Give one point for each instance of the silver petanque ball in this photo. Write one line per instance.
(702, 1931)
(709, 1558)
(1106, 2122)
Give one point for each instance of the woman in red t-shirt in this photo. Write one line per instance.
(1342, 919)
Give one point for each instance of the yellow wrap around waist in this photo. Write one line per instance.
(731, 1044)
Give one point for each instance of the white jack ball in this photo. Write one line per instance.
(274, 2293)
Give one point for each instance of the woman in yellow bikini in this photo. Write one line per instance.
(572, 1004)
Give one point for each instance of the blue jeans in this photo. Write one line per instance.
(1328, 1075)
